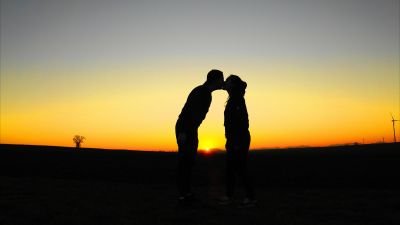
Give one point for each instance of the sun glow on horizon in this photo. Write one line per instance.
(142, 116)
(120, 72)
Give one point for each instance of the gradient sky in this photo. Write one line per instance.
(118, 72)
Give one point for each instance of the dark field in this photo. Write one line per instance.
(338, 185)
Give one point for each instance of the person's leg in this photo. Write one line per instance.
(230, 174)
(229, 179)
(182, 170)
(191, 159)
(246, 177)
(243, 168)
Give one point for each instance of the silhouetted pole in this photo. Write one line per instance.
(394, 130)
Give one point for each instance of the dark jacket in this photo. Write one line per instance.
(236, 121)
(195, 109)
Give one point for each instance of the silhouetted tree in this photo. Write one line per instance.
(78, 140)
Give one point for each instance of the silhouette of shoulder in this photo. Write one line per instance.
(196, 107)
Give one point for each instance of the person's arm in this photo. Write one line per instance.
(243, 117)
(188, 110)
(241, 122)
(200, 104)
(181, 138)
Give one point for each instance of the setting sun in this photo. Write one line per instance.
(210, 144)
(195, 112)
(119, 74)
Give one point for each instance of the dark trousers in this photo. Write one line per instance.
(236, 167)
(187, 152)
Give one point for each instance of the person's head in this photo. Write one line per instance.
(235, 86)
(215, 80)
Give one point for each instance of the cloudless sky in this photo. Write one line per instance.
(319, 72)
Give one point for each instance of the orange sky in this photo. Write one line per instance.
(118, 73)
(288, 106)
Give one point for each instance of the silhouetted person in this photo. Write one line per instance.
(192, 115)
(237, 135)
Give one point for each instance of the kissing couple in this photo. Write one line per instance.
(237, 135)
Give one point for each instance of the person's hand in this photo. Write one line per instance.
(236, 147)
(181, 138)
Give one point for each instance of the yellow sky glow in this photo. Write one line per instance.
(289, 105)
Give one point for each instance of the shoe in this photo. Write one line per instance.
(186, 200)
(225, 201)
(190, 197)
(248, 203)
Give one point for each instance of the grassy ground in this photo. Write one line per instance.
(45, 185)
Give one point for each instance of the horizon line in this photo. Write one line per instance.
(204, 150)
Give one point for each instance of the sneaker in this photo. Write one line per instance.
(186, 200)
(225, 201)
(188, 195)
(248, 203)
